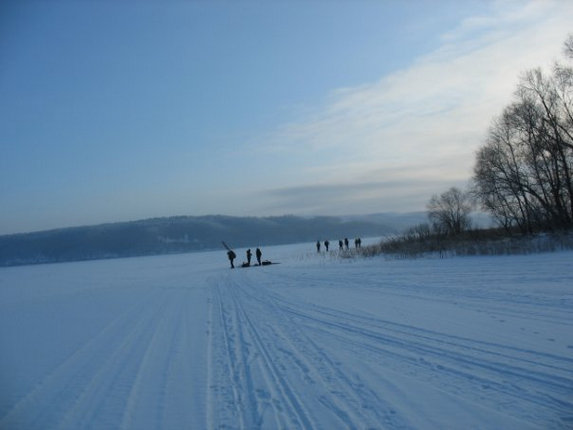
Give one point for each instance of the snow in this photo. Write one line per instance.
(317, 342)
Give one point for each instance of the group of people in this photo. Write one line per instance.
(341, 244)
(231, 255)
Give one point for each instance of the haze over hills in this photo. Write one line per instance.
(187, 234)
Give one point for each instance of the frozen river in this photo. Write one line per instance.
(317, 342)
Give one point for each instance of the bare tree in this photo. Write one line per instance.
(449, 212)
(568, 47)
(524, 172)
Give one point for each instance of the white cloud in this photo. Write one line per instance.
(433, 114)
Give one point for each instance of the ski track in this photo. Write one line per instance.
(131, 365)
(69, 383)
(338, 392)
(273, 348)
(251, 400)
(542, 383)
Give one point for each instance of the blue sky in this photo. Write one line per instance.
(115, 111)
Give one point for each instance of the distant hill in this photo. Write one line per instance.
(186, 234)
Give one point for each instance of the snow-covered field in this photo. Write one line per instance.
(183, 342)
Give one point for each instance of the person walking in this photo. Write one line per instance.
(326, 243)
(346, 243)
(259, 254)
(340, 245)
(318, 246)
(249, 255)
(231, 255)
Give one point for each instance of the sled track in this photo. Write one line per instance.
(449, 359)
(430, 342)
(306, 346)
(541, 382)
(348, 397)
(134, 363)
(265, 362)
(248, 358)
(72, 386)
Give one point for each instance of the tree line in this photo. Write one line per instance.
(523, 174)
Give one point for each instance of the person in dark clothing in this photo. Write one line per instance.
(231, 255)
(317, 246)
(259, 254)
(249, 255)
(340, 245)
(326, 243)
(346, 242)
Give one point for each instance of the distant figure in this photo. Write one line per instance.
(231, 254)
(340, 245)
(326, 243)
(249, 255)
(317, 246)
(259, 254)
(356, 243)
(359, 242)
(346, 242)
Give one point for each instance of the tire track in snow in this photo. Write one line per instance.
(175, 333)
(182, 393)
(352, 400)
(469, 363)
(272, 374)
(242, 403)
(257, 387)
(61, 388)
(507, 303)
(116, 375)
(553, 363)
(290, 358)
(153, 365)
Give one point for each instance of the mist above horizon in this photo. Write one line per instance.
(114, 111)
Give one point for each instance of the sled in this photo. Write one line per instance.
(263, 263)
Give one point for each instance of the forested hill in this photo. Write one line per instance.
(186, 234)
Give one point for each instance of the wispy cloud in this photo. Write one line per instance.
(430, 117)
(373, 190)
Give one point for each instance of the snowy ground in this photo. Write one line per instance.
(183, 342)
